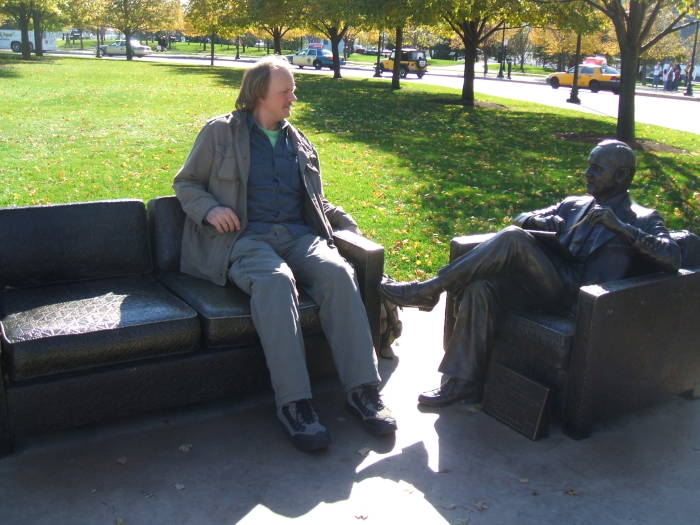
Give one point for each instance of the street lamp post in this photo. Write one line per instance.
(501, 66)
(573, 97)
(380, 45)
(691, 73)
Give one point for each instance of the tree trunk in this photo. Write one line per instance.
(468, 81)
(81, 39)
(37, 17)
(625, 109)
(25, 46)
(211, 63)
(335, 40)
(395, 79)
(278, 41)
(129, 50)
(238, 48)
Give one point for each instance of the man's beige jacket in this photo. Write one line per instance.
(216, 174)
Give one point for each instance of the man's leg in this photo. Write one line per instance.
(511, 263)
(512, 252)
(274, 306)
(330, 281)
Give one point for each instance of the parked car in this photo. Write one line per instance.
(119, 48)
(316, 57)
(412, 61)
(594, 77)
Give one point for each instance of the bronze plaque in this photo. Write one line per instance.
(519, 402)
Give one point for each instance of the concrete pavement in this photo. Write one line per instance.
(230, 463)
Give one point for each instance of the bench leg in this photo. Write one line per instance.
(6, 441)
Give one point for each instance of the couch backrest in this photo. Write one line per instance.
(166, 220)
(42, 245)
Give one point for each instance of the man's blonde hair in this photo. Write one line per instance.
(257, 79)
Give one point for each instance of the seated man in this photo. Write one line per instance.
(598, 238)
(256, 216)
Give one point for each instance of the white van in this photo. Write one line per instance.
(12, 39)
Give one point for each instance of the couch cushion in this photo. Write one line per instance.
(64, 328)
(73, 242)
(225, 311)
(536, 344)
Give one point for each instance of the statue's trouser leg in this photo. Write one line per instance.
(511, 263)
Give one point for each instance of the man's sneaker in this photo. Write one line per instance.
(303, 426)
(366, 402)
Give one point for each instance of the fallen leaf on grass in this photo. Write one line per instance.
(524, 480)
(570, 492)
(185, 447)
(122, 460)
(179, 486)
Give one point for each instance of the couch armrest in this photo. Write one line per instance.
(5, 432)
(635, 343)
(458, 247)
(367, 257)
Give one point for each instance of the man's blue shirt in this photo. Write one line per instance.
(275, 188)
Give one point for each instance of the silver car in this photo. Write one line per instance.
(119, 48)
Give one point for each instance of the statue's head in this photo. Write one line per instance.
(611, 167)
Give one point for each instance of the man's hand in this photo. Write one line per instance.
(223, 219)
(607, 218)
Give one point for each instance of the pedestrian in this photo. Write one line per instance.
(676, 77)
(657, 75)
(668, 76)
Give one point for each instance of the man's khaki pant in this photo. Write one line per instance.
(269, 267)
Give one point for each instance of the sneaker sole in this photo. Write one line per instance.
(373, 426)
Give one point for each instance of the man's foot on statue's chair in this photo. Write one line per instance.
(415, 293)
(452, 390)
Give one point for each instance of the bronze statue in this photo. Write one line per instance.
(591, 239)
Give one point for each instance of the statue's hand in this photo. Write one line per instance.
(607, 218)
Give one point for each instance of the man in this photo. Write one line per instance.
(600, 237)
(256, 216)
(657, 75)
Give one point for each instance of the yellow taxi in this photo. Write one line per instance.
(412, 61)
(592, 74)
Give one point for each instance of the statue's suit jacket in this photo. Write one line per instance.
(609, 256)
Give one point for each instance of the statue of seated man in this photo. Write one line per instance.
(597, 237)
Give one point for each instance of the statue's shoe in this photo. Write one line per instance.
(415, 294)
(452, 390)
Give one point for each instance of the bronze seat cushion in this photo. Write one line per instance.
(69, 327)
(225, 311)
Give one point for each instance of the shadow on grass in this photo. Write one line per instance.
(9, 59)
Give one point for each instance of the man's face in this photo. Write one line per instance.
(604, 179)
(277, 104)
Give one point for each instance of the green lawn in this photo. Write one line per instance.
(413, 172)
